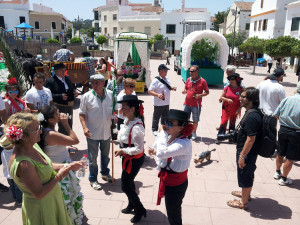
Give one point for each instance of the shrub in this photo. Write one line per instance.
(51, 40)
(75, 40)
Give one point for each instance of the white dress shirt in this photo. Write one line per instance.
(137, 136)
(179, 149)
(159, 87)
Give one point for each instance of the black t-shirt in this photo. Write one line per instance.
(251, 126)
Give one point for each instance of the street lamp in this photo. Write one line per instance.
(79, 21)
(234, 12)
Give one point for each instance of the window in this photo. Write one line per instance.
(2, 21)
(147, 30)
(114, 17)
(62, 26)
(96, 15)
(37, 25)
(115, 30)
(105, 30)
(295, 24)
(259, 26)
(96, 27)
(261, 3)
(22, 19)
(265, 24)
(120, 2)
(130, 29)
(247, 26)
(255, 25)
(171, 28)
(53, 24)
(105, 18)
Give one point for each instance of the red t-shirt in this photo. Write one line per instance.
(108, 66)
(194, 88)
(234, 95)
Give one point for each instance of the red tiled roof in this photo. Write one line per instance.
(246, 6)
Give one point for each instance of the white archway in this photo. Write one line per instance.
(189, 40)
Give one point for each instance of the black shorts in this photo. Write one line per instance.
(246, 175)
(289, 144)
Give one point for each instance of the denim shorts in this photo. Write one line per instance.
(195, 112)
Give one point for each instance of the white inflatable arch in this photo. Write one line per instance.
(189, 40)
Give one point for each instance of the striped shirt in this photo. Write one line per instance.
(62, 55)
(288, 112)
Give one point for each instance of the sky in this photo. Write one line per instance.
(72, 8)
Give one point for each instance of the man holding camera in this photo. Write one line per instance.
(247, 145)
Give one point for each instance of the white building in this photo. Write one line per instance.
(268, 18)
(176, 25)
(242, 18)
(292, 28)
(13, 13)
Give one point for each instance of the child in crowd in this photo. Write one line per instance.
(38, 96)
(5, 156)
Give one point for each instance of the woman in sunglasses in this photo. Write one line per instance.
(231, 104)
(173, 150)
(131, 138)
(13, 101)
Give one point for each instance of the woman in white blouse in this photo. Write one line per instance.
(131, 139)
(173, 150)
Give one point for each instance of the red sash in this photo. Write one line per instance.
(14, 107)
(128, 158)
(169, 179)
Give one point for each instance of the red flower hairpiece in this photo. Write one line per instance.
(12, 81)
(187, 130)
(14, 133)
(141, 110)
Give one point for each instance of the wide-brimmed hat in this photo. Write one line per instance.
(235, 75)
(277, 73)
(178, 115)
(59, 66)
(5, 142)
(162, 67)
(130, 98)
(97, 77)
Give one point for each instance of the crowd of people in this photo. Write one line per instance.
(36, 158)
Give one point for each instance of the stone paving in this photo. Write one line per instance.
(210, 183)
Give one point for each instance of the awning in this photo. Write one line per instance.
(24, 26)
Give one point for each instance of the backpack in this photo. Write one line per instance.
(267, 141)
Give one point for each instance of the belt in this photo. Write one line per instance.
(297, 130)
(69, 104)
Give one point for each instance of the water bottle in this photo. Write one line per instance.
(81, 171)
(163, 94)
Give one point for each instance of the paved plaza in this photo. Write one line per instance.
(210, 183)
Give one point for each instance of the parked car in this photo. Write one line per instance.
(91, 44)
(177, 64)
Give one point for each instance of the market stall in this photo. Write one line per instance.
(132, 55)
(214, 73)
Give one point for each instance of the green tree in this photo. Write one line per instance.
(75, 40)
(253, 45)
(52, 40)
(91, 32)
(159, 37)
(296, 50)
(280, 47)
(151, 42)
(204, 50)
(101, 39)
(69, 33)
(220, 18)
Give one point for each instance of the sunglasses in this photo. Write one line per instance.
(11, 92)
(243, 96)
(192, 71)
(231, 79)
(131, 86)
(170, 124)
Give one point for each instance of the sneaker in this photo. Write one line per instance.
(194, 136)
(154, 133)
(277, 175)
(286, 182)
(95, 185)
(3, 188)
(107, 178)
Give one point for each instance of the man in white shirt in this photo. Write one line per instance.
(38, 96)
(160, 88)
(271, 93)
(95, 114)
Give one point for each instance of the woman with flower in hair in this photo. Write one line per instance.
(13, 100)
(231, 103)
(173, 151)
(54, 144)
(35, 174)
(131, 139)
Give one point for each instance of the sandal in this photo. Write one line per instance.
(237, 204)
(239, 194)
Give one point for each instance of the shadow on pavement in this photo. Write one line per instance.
(149, 163)
(295, 184)
(206, 163)
(108, 188)
(259, 206)
(6, 198)
(288, 84)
